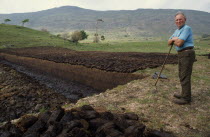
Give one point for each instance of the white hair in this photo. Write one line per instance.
(179, 12)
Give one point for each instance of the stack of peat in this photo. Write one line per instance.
(78, 122)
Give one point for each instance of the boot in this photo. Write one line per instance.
(177, 95)
(181, 101)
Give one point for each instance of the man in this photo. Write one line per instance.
(183, 41)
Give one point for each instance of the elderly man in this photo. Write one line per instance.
(183, 41)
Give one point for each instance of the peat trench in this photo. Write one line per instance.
(71, 90)
(98, 79)
(99, 70)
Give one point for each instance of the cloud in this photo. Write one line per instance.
(11, 6)
(202, 5)
(205, 7)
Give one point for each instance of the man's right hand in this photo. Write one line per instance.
(170, 42)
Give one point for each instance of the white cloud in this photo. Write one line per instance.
(17, 6)
(188, 4)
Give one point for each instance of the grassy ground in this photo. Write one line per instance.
(202, 47)
(155, 108)
(25, 37)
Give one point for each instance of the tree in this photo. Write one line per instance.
(24, 21)
(102, 37)
(84, 34)
(76, 36)
(6, 20)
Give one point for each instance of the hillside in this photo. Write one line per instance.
(135, 23)
(17, 36)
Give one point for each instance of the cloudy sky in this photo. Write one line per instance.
(20, 6)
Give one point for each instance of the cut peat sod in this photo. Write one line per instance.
(80, 122)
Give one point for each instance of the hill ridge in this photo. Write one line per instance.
(135, 23)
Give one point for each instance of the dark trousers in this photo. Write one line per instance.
(186, 59)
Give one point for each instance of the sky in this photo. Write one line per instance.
(21, 6)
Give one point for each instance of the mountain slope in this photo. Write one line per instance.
(140, 22)
(26, 37)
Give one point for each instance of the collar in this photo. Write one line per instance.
(182, 27)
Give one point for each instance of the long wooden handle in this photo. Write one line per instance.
(163, 65)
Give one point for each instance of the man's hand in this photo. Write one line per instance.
(170, 42)
(176, 41)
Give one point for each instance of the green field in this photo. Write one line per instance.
(202, 47)
(25, 37)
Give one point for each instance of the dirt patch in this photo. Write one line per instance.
(126, 62)
(80, 122)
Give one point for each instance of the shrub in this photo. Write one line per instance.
(78, 35)
(102, 37)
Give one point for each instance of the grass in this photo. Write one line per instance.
(42, 110)
(202, 47)
(25, 37)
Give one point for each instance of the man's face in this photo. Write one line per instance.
(180, 20)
